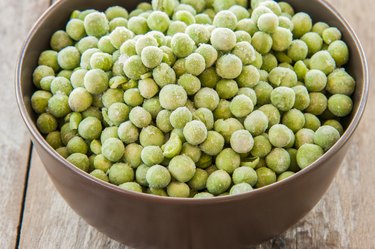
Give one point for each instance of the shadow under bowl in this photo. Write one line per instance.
(146, 221)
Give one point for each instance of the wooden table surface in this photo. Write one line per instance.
(33, 215)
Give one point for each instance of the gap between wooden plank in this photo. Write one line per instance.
(23, 203)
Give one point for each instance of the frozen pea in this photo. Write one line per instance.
(179, 67)
(207, 98)
(80, 99)
(195, 64)
(228, 160)
(96, 81)
(132, 155)
(198, 33)
(79, 160)
(272, 113)
(286, 8)
(218, 182)
(96, 24)
(262, 42)
(99, 174)
(164, 75)
(241, 106)
(190, 83)
(263, 92)
(120, 173)
(263, 75)
(152, 155)
(326, 136)
(39, 101)
(182, 45)
(61, 84)
(206, 116)
(176, 27)
(131, 186)
(134, 68)
(242, 141)
(340, 82)
(128, 132)
(278, 160)
(158, 20)
(184, 16)
(280, 135)
(308, 154)
(340, 105)
(223, 39)
(318, 103)
(128, 48)
(148, 88)
(311, 121)
(86, 43)
(281, 39)
(313, 41)
(266, 177)
(272, 6)
(319, 27)
(152, 106)
(335, 124)
(323, 61)
(118, 22)
(269, 62)
(76, 29)
(101, 163)
(245, 175)
(268, 22)
(229, 66)
(213, 144)
(109, 132)
(59, 40)
(163, 121)
(151, 135)
(192, 151)
(111, 96)
(227, 89)
(143, 42)
(151, 56)
(339, 52)
(285, 77)
(77, 78)
(302, 24)
(140, 117)
(245, 51)
(203, 19)
(249, 92)
(138, 25)
(240, 189)
(195, 132)
(133, 97)
(54, 139)
(172, 97)
(118, 113)
(86, 57)
(283, 98)
(209, 77)
(178, 189)
(199, 180)
(330, 35)
(298, 50)
(294, 120)
(140, 174)
(256, 123)
(258, 60)
(247, 25)
(225, 19)
(182, 168)
(66, 132)
(227, 127)
(180, 117)
(77, 145)
(116, 11)
(300, 69)
(209, 54)
(258, 12)
(45, 83)
(315, 80)
(69, 58)
(158, 177)
(285, 175)
(58, 105)
(302, 98)
(173, 146)
(49, 58)
(285, 22)
(242, 36)
(120, 35)
(95, 147)
(90, 128)
(113, 149)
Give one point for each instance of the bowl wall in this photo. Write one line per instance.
(145, 221)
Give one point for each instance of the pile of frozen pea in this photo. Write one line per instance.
(197, 98)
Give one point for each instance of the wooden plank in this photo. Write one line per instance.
(16, 19)
(344, 218)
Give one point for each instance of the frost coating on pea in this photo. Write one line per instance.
(207, 98)
(228, 160)
(308, 154)
(242, 141)
(182, 45)
(323, 61)
(229, 66)
(223, 39)
(96, 24)
(158, 177)
(195, 64)
(195, 132)
(241, 106)
(256, 123)
(326, 136)
(113, 149)
(340, 105)
(172, 97)
(283, 98)
(96, 81)
(151, 56)
(218, 182)
(182, 168)
(68, 58)
(280, 135)
(90, 128)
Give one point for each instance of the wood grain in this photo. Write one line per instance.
(16, 19)
(343, 219)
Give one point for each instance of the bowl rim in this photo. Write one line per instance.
(194, 201)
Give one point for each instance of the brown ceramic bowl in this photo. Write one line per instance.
(146, 221)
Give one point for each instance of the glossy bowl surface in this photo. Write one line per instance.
(146, 221)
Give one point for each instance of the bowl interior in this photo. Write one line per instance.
(57, 16)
